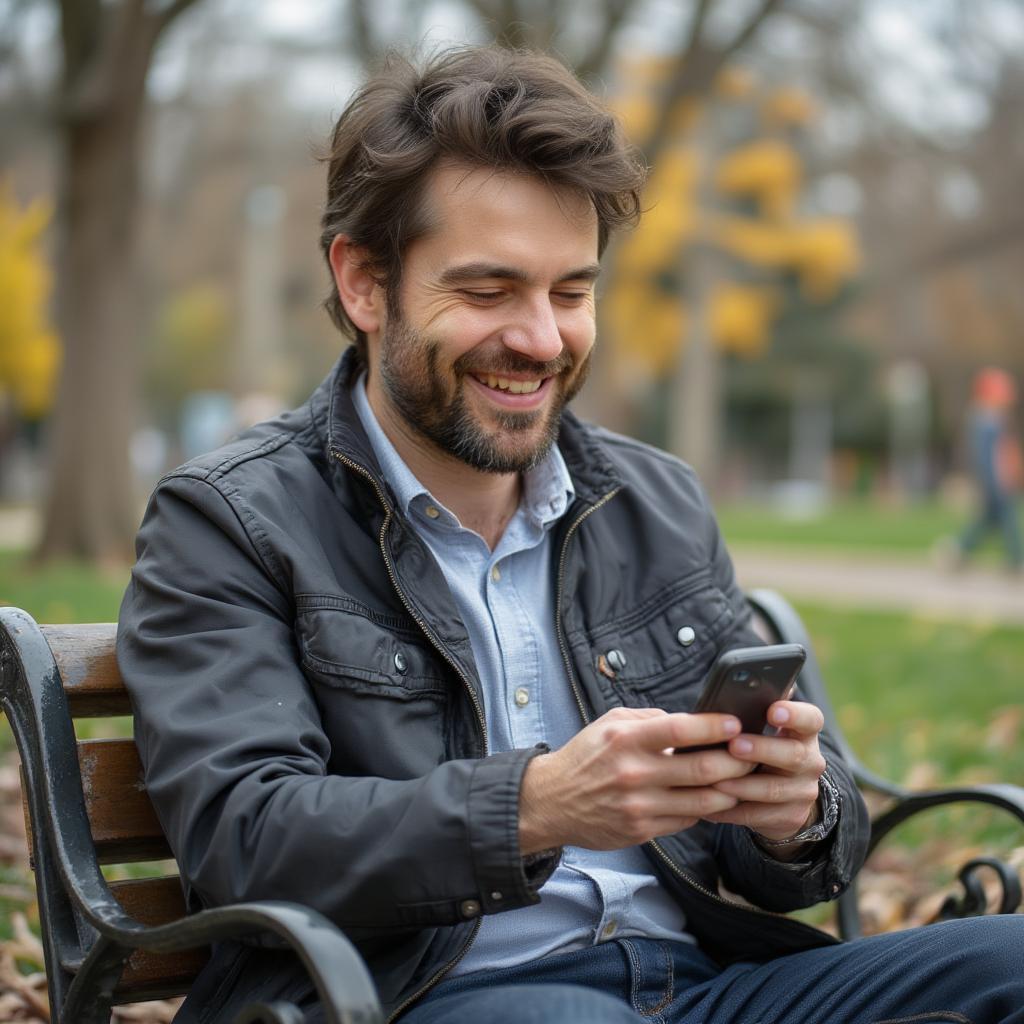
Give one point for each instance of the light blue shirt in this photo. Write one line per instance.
(507, 602)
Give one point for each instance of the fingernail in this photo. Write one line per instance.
(780, 716)
(743, 746)
(731, 726)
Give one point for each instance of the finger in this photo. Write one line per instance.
(796, 717)
(767, 788)
(700, 768)
(685, 730)
(793, 756)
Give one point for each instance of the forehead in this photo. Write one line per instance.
(481, 214)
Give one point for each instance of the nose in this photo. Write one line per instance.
(535, 333)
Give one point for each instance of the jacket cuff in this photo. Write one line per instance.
(505, 879)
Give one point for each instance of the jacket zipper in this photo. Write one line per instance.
(662, 855)
(481, 723)
(558, 600)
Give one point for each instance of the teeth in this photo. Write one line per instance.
(515, 387)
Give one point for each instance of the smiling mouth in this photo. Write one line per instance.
(513, 387)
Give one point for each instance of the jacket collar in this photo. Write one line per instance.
(586, 457)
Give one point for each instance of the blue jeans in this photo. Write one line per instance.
(970, 971)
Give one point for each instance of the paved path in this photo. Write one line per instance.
(878, 581)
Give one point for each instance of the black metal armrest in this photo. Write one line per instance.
(1004, 796)
(342, 981)
(95, 929)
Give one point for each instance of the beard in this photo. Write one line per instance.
(433, 402)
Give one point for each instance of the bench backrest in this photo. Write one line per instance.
(124, 826)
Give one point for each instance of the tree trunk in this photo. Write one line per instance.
(90, 511)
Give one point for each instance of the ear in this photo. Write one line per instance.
(361, 295)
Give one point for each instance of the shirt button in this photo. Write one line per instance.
(469, 908)
(432, 511)
(522, 696)
(497, 896)
(400, 663)
(686, 635)
(609, 930)
(495, 574)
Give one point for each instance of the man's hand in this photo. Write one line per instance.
(780, 800)
(617, 783)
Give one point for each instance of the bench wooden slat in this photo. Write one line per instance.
(124, 825)
(88, 668)
(155, 901)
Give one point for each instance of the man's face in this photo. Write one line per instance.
(494, 323)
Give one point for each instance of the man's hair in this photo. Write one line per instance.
(484, 106)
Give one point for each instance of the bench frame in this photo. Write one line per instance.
(88, 936)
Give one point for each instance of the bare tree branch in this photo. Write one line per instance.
(700, 16)
(366, 45)
(695, 69)
(593, 63)
(172, 11)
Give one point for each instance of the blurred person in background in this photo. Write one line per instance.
(418, 653)
(997, 464)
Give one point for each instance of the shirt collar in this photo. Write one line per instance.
(547, 488)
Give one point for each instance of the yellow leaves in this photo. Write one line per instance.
(823, 253)
(646, 306)
(29, 349)
(646, 323)
(193, 331)
(787, 107)
(741, 317)
(766, 169)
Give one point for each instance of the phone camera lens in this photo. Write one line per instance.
(741, 675)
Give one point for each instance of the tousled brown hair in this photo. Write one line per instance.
(481, 106)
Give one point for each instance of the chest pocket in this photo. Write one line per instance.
(346, 646)
(658, 653)
(381, 690)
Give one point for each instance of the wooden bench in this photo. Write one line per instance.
(126, 941)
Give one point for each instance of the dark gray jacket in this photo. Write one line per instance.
(292, 754)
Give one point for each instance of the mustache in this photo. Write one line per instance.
(511, 362)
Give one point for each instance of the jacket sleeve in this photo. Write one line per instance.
(235, 755)
(746, 868)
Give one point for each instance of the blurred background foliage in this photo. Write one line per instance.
(832, 243)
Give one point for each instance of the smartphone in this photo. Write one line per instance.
(746, 681)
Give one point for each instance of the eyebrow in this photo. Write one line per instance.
(464, 272)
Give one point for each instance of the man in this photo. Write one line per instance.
(998, 466)
(418, 654)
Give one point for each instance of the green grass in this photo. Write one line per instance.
(912, 690)
(65, 592)
(851, 525)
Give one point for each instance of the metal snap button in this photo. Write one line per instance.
(432, 511)
(401, 664)
(616, 660)
(469, 908)
(686, 635)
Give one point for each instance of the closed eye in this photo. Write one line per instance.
(482, 296)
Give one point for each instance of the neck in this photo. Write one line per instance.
(483, 502)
